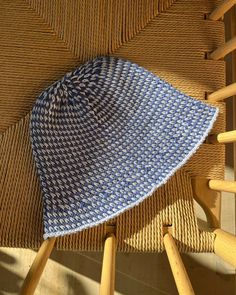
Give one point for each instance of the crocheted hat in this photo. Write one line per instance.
(105, 136)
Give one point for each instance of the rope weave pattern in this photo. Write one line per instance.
(165, 207)
(48, 39)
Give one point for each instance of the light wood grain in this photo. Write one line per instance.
(179, 272)
(35, 272)
(108, 266)
(222, 185)
(222, 93)
(227, 137)
(209, 200)
(220, 10)
(223, 50)
(224, 137)
(225, 246)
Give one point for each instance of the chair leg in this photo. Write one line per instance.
(225, 246)
(36, 269)
(179, 272)
(108, 266)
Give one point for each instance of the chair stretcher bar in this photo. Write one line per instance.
(224, 137)
(223, 50)
(219, 11)
(222, 185)
(222, 93)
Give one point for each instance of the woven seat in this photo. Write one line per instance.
(170, 38)
(181, 42)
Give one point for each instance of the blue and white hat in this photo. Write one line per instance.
(105, 136)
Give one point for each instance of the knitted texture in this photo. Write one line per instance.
(106, 136)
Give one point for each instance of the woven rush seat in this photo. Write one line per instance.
(169, 38)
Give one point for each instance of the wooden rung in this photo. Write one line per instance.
(225, 137)
(36, 269)
(222, 93)
(223, 50)
(179, 272)
(225, 246)
(221, 9)
(107, 286)
(222, 185)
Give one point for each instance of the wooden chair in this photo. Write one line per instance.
(224, 243)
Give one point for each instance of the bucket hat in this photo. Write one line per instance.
(107, 135)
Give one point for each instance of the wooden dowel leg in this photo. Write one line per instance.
(227, 137)
(224, 137)
(36, 269)
(107, 286)
(222, 185)
(225, 246)
(223, 50)
(222, 9)
(179, 272)
(222, 93)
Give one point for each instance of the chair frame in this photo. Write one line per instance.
(224, 243)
